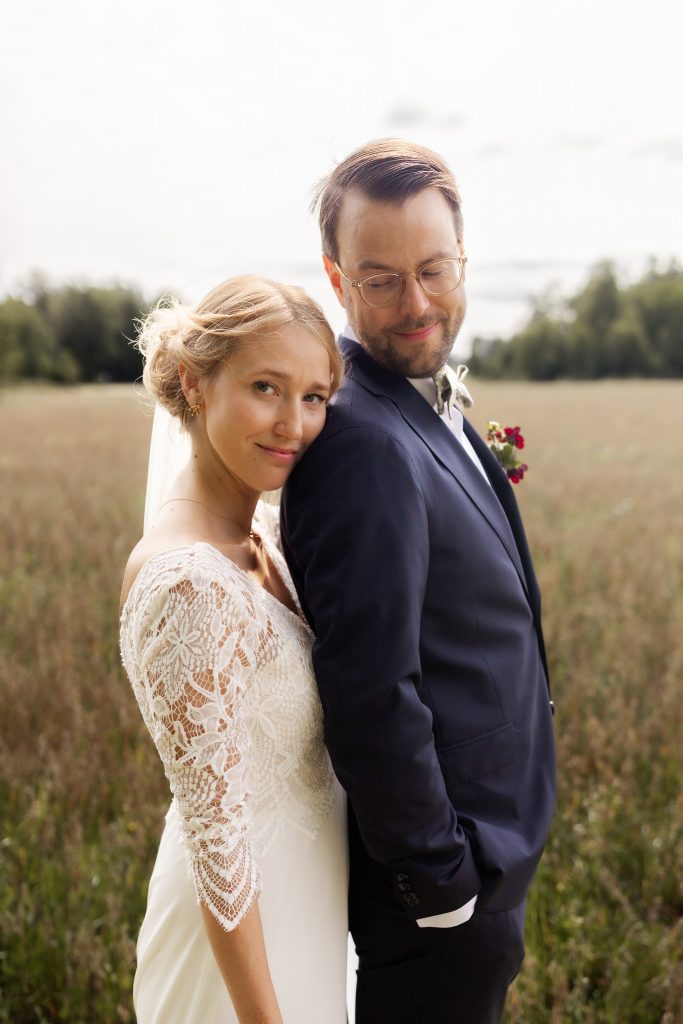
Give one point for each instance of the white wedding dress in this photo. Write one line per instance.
(222, 672)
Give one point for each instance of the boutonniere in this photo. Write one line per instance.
(505, 442)
(450, 387)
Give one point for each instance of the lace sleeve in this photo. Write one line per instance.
(189, 665)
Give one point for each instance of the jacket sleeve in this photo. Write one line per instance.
(356, 534)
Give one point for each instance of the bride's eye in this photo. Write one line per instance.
(315, 399)
(264, 387)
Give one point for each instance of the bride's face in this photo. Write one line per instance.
(265, 406)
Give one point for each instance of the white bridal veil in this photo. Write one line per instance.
(169, 452)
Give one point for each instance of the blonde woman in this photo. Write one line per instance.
(246, 914)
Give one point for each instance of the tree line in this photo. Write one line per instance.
(70, 334)
(76, 333)
(604, 330)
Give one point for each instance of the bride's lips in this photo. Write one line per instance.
(420, 335)
(286, 456)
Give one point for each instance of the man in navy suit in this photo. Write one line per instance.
(408, 552)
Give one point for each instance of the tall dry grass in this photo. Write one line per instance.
(603, 504)
(82, 796)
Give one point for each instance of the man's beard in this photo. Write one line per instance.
(423, 362)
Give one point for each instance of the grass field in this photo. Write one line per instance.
(82, 795)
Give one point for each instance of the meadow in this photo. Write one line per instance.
(82, 796)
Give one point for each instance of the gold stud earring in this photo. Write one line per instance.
(195, 409)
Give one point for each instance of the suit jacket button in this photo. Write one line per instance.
(401, 878)
(403, 887)
(411, 899)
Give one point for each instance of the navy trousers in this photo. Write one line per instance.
(413, 975)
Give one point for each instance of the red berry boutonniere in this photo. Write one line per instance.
(505, 442)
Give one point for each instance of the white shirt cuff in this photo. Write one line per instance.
(451, 919)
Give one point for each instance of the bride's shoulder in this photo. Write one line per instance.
(160, 559)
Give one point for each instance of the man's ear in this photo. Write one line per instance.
(335, 279)
(461, 252)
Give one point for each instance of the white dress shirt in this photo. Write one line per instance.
(453, 419)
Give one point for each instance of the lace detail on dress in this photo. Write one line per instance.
(222, 673)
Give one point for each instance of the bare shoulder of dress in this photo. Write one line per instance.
(184, 648)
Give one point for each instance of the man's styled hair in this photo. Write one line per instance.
(389, 171)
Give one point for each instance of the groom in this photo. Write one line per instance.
(408, 552)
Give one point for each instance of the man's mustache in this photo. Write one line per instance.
(410, 326)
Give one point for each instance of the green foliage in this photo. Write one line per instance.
(29, 347)
(603, 331)
(658, 300)
(73, 333)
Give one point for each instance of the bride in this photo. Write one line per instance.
(246, 913)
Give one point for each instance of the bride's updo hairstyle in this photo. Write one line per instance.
(204, 336)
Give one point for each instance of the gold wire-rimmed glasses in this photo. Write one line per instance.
(436, 278)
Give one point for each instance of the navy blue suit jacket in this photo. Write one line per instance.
(417, 581)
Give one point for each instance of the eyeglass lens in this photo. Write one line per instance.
(435, 278)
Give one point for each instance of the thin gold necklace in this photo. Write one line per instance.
(250, 533)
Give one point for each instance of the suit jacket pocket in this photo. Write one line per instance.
(481, 755)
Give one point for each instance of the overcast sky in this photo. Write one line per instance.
(172, 144)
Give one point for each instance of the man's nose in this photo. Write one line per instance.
(413, 301)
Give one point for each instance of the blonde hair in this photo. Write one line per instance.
(203, 337)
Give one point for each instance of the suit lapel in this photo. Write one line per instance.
(443, 445)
